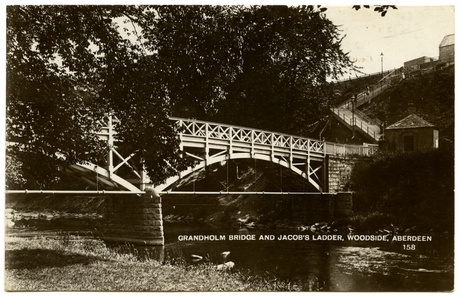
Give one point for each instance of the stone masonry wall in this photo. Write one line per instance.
(134, 219)
(339, 172)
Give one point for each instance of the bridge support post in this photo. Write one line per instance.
(326, 174)
(111, 144)
(134, 219)
(144, 179)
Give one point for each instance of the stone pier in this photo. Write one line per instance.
(134, 219)
(339, 170)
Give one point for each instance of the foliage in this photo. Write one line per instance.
(51, 112)
(411, 186)
(382, 9)
(14, 175)
(67, 66)
(254, 66)
(143, 109)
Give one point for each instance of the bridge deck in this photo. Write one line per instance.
(202, 134)
(211, 143)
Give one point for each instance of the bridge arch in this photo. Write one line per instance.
(235, 156)
(210, 143)
(103, 178)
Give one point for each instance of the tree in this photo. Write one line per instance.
(50, 111)
(288, 53)
(258, 66)
(67, 66)
(196, 54)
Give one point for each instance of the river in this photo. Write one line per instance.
(314, 265)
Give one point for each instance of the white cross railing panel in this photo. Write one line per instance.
(280, 140)
(218, 132)
(262, 137)
(245, 138)
(301, 144)
(241, 134)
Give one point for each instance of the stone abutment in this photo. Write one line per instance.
(134, 219)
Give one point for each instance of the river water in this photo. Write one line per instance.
(312, 265)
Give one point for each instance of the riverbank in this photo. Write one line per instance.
(72, 263)
(47, 259)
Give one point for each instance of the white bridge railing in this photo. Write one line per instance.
(349, 149)
(240, 134)
(237, 136)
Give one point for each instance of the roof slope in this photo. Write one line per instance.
(447, 40)
(411, 121)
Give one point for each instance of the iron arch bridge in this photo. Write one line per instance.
(209, 143)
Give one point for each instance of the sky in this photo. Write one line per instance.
(404, 34)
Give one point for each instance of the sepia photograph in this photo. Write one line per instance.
(229, 147)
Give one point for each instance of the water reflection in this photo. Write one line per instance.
(372, 269)
(321, 266)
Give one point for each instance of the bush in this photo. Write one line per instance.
(415, 187)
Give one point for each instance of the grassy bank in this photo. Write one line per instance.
(71, 263)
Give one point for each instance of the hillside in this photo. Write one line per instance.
(429, 95)
(344, 89)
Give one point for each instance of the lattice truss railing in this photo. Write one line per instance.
(214, 131)
(213, 142)
(303, 155)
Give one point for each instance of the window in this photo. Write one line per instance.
(409, 143)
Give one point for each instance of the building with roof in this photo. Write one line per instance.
(415, 65)
(425, 64)
(411, 134)
(447, 49)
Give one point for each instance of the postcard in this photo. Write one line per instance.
(220, 147)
